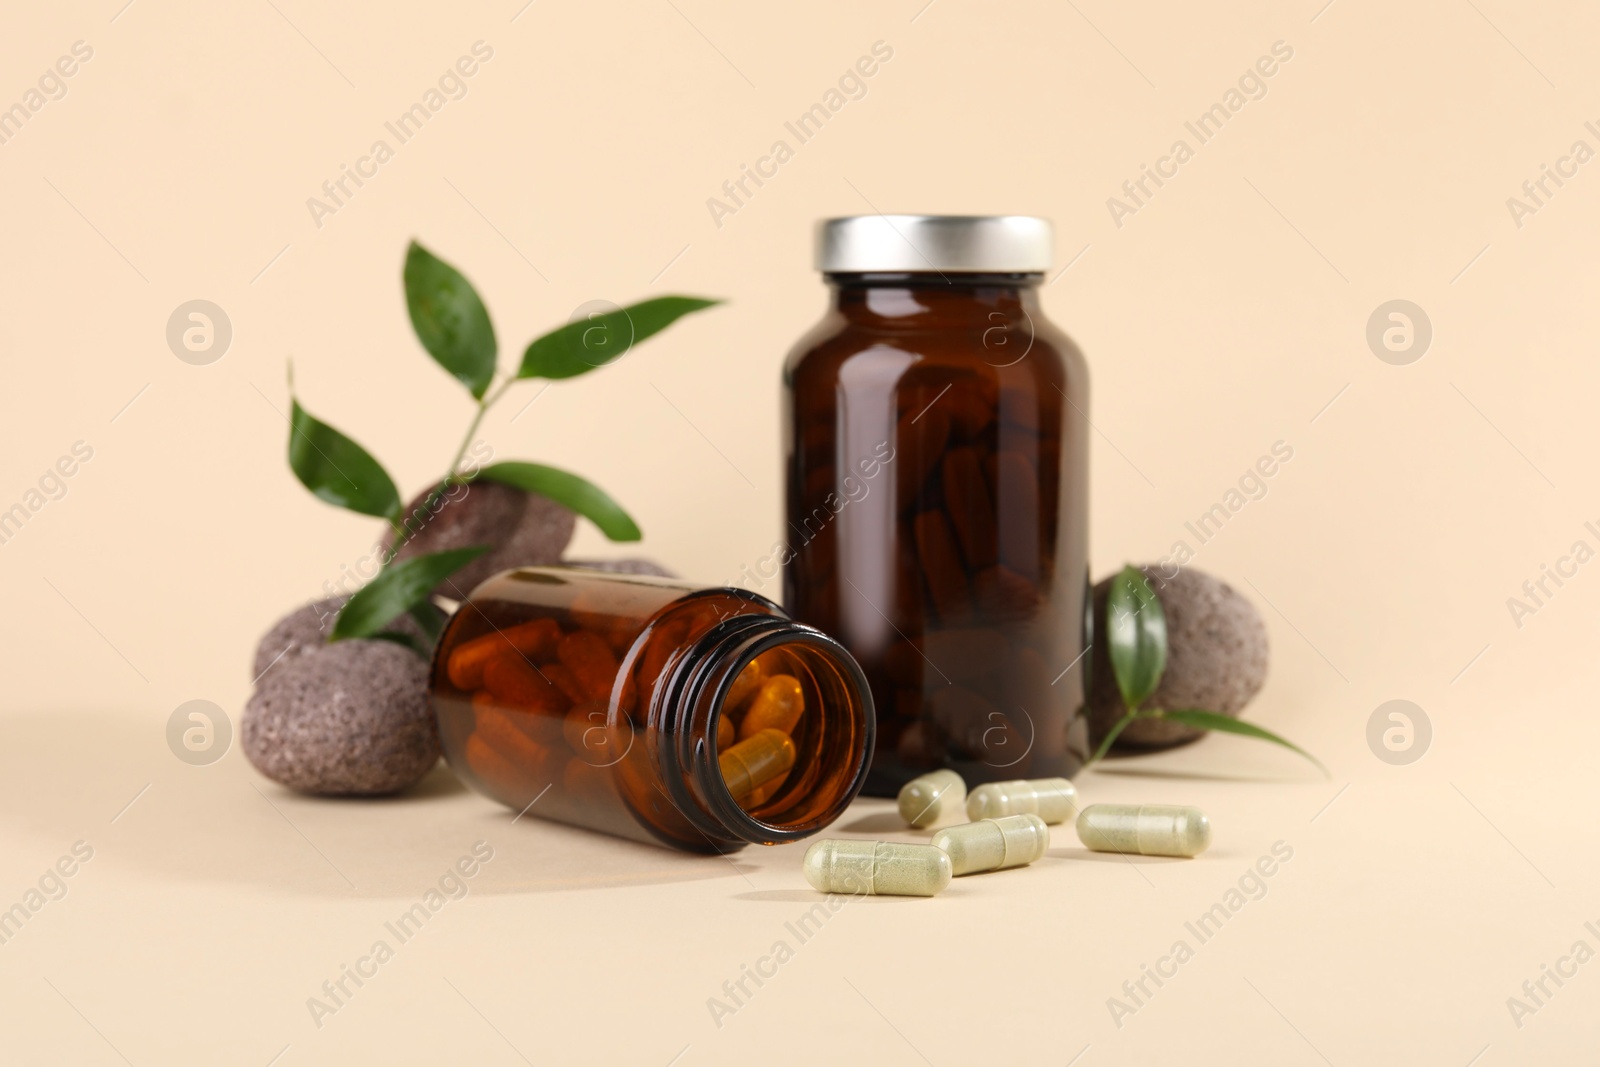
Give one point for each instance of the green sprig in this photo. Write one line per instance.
(1136, 638)
(453, 326)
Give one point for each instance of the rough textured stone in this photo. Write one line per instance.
(347, 719)
(525, 529)
(1216, 658)
(306, 629)
(621, 566)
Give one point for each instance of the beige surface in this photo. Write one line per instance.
(1225, 315)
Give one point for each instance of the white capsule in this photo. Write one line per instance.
(883, 868)
(924, 800)
(994, 844)
(1144, 829)
(1052, 799)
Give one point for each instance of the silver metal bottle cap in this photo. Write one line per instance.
(1008, 244)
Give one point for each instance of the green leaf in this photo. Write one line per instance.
(570, 491)
(1210, 720)
(1136, 632)
(337, 469)
(428, 618)
(580, 347)
(410, 641)
(397, 589)
(450, 320)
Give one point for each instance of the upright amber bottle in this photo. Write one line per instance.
(703, 719)
(937, 494)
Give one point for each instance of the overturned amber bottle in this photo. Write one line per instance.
(702, 719)
(937, 494)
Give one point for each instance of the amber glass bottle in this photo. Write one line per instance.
(703, 719)
(937, 494)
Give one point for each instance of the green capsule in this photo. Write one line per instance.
(925, 800)
(883, 868)
(994, 844)
(1052, 799)
(1144, 829)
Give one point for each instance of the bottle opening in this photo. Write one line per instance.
(784, 753)
(777, 730)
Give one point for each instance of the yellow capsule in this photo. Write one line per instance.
(744, 686)
(883, 868)
(994, 844)
(725, 733)
(1052, 799)
(778, 706)
(923, 801)
(765, 793)
(755, 761)
(1144, 829)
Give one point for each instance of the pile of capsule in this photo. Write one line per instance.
(755, 747)
(1009, 826)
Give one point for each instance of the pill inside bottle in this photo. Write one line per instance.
(756, 761)
(778, 705)
(1144, 829)
(769, 707)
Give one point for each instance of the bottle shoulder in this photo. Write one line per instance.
(1012, 350)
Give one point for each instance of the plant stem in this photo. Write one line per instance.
(477, 420)
(1111, 737)
(451, 475)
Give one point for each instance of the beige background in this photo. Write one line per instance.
(1227, 314)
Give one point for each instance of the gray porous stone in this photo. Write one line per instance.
(347, 719)
(306, 629)
(1216, 658)
(523, 530)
